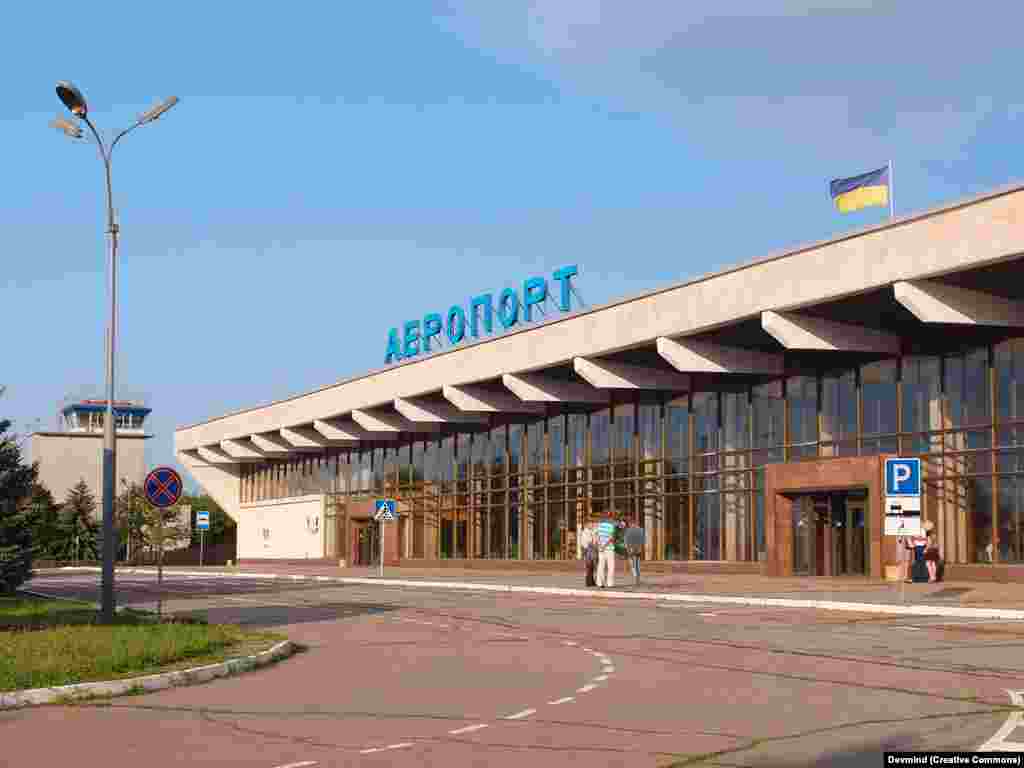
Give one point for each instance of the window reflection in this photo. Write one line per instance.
(688, 468)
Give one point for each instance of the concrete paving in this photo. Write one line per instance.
(404, 677)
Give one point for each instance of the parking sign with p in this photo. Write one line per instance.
(902, 497)
(902, 477)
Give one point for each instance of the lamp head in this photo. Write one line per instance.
(72, 98)
(158, 110)
(69, 128)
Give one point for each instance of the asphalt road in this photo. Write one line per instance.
(423, 677)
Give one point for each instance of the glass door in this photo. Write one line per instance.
(848, 546)
(805, 561)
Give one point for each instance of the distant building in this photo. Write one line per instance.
(75, 451)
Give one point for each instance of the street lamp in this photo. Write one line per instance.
(73, 99)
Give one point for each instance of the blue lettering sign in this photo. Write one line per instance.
(431, 327)
(484, 302)
(415, 336)
(394, 349)
(456, 324)
(412, 339)
(535, 290)
(508, 308)
(563, 276)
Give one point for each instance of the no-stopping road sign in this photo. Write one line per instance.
(163, 487)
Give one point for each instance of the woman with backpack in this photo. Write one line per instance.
(588, 543)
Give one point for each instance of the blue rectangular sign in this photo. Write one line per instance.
(386, 508)
(203, 521)
(902, 477)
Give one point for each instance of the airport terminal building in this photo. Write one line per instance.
(742, 418)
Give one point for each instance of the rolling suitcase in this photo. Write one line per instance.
(919, 571)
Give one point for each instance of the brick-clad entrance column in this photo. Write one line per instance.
(392, 542)
(783, 482)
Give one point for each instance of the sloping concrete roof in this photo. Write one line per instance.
(968, 234)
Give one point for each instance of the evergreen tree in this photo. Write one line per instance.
(16, 479)
(44, 519)
(80, 533)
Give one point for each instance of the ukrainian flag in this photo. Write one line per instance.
(861, 191)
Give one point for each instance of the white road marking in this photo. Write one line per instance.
(588, 650)
(586, 688)
(608, 669)
(568, 642)
(468, 729)
(304, 764)
(520, 715)
(707, 614)
(600, 679)
(403, 745)
(563, 701)
(998, 741)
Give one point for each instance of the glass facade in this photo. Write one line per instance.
(690, 469)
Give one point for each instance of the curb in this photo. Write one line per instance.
(147, 683)
(757, 602)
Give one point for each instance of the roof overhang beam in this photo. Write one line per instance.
(799, 332)
(479, 400)
(214, 454)
(605, 374)
(305, 438)
(340, 431)
(692, 356)
(932, 302)
(431, 411)
(242, 449)
(538, 388)
(385, 422)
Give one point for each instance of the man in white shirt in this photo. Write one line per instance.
(606, 553)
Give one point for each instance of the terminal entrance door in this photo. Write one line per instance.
(365, 542)
(829, 534)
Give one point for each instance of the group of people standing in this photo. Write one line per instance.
(919, 556)
(601, 541)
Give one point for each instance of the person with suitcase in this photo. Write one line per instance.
(588, 542)
(918, 568)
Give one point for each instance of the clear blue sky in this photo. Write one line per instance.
(335, 169)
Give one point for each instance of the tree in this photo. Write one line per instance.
(131, 518)
(16, 479)
(80, 533)
(44, 519)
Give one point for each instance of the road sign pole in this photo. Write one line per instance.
(382, 547)
(202, 536)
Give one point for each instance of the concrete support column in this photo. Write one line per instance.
(653, 519)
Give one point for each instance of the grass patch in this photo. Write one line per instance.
(46, 643)
(31, 613)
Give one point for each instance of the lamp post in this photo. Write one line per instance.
(73, 99)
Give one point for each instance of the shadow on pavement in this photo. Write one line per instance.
(282, 615)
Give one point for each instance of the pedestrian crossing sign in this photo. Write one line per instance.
(385, 511)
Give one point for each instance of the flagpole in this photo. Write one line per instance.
(892, 197)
